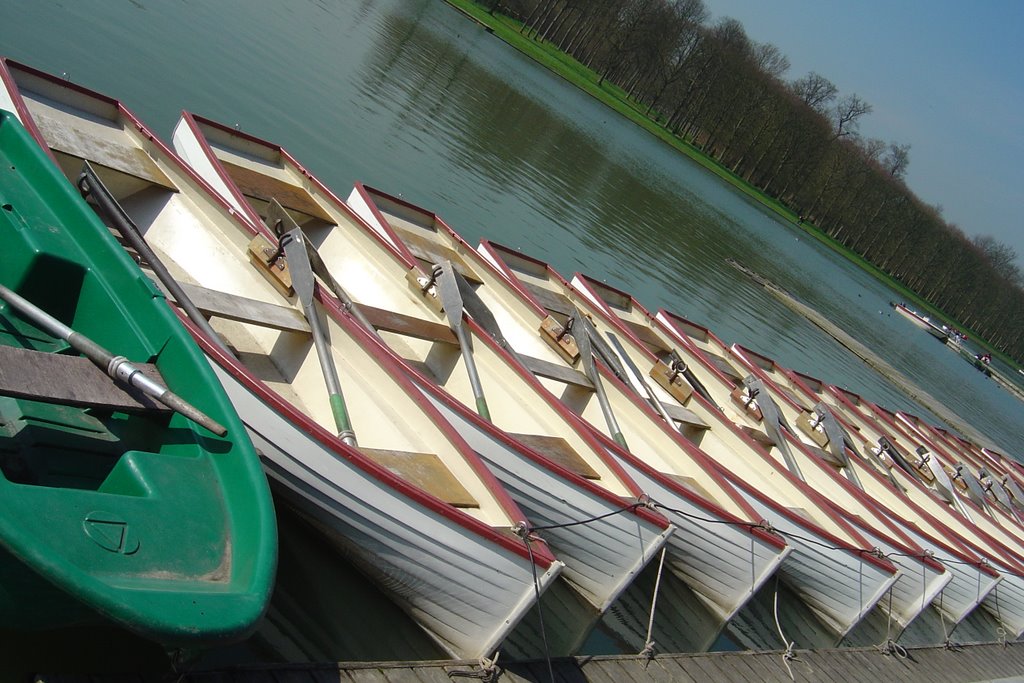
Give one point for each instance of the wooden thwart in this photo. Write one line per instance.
(685, 416)
(556, 371)
(211, 302)
(553, 302)
(109, 152)
(425, 470)
(399, 323)
(72, 380)
(725, 367)
(262, 187)
(557, 449)
(432, 253)
(648, 336)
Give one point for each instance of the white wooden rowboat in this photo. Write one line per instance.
(716, 553)
(815, 567)
(441, 542)
(914, 499)
(550, 464)
(814, 479)
(723, 378)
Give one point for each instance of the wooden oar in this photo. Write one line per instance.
(280, 222)
(451, 300)
(652, 398)
(581, 330)
(773, 421)
(91, 187)
(294, 243)
(117, 367)
(838, 441)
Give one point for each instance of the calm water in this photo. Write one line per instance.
(408, 96)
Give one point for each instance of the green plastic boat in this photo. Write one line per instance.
(113, 508)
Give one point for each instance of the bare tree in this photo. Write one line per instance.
(896, 160)
(815, 91)
(847, 113)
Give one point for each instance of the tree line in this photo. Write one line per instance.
(797, 140)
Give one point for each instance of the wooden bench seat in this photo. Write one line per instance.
(211, 302)
(556, 371)
(426, 471)
(685, 416)
(262, 187)
(649, 337)
(559, 450)
(71, 380)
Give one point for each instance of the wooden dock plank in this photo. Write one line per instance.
(989, 661)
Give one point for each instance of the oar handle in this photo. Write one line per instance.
(117, 367)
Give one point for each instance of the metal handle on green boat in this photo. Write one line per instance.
(451, 300)
(294, 243)
(117, 367)
(581, 331)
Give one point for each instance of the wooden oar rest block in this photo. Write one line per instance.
(71, 380)
(804, 424)
(741, 398)
(261, 251)
(417, 280)
(552, 332)
(672, 382)
(558, 450)
(426, 471)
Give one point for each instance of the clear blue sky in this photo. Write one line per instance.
(945, 76)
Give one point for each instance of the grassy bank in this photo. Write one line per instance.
(587, 80)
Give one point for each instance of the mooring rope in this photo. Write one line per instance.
(789, 654)
(523, 529)
(648, 650)
(890, 647)
(1000, 631)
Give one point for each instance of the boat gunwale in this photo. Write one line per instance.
(603, 442)
(102, 594)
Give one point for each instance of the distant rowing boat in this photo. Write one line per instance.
(922, 321)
